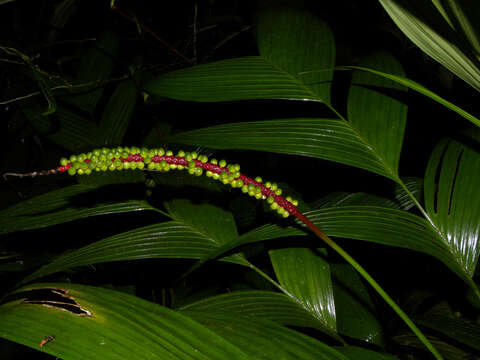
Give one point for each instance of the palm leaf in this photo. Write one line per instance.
(266, 305)
(453, 201)
(427, 29)
(305, 276)
(61, 206)
(92, 323)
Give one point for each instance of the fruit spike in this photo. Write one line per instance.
(124, 158)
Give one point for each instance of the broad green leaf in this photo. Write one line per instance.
(460, 330)
(172, 239)
(263, 339)
(426, 28)
(358, 353)
(245, 78)
(95, 66)
(378, 117)
(118, 112)
(106, 324)
(465, 16)
(355, 311)
(305, 276)
(369, 223)
(297, 42)
(61, 206)
(214, 222)
(331, 139)
(66, 128)
(415, 186)
(418, 88)
(452, 200)
(289, 42)
(266, 305)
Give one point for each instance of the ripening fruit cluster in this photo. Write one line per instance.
(131, 158)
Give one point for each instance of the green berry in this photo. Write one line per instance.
(111, 167)
(72, 171)
(88, 171)
(214, 161)
(216, 176)
(188, 157)
(274, 187)
(161, 151)
(63, 161)
(127, 165)
(222, 163)
(209, 173)
(278, 192)
(140, 165)
(169, 153)
(273, 206)
(80, 172)
(73, 158)
(198, 171)
(151, 166)
(194, 155)
(270, 200)
(181, 153)
(258, 179)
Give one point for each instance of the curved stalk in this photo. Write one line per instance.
(372, 282)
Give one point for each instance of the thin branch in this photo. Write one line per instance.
(147, 30)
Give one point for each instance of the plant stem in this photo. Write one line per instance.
(372, 282)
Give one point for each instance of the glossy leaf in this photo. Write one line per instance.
(369, 223)
(171, 240)
(289, 42)
(198, 230)
(107, 324)
(297, 42)
(305, 275)
(425, 27)
(118, 112)
(61, 206)
(212, 221)
(258, 304)
(328, 139)
(263, 339)
(418, 88)
(452, 200)
(415, 186)
(355, 310)
(378, 117)
(244, 78)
